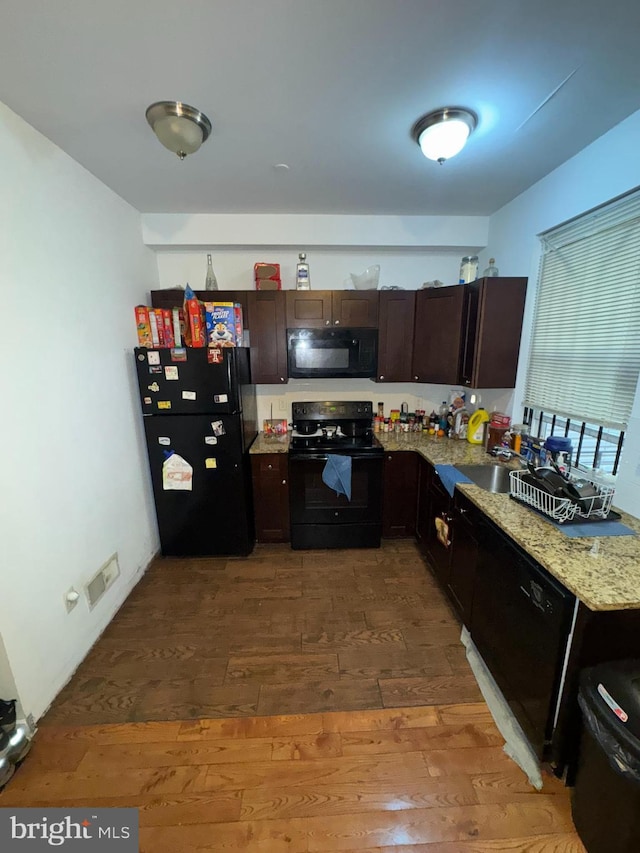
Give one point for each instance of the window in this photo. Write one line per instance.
(585, 352)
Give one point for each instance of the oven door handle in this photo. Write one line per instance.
(322, 457)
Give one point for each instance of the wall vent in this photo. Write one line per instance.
(102, 580)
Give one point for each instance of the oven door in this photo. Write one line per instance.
(332, 353)
(321, 518)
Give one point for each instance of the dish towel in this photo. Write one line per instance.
(450, 475)
(595, 528)
(337, 474)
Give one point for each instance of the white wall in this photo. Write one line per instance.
(605, 169)
(72, 266)
(414, 250)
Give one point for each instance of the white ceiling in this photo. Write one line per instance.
(329, 87)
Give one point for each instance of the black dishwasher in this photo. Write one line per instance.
(521, 623)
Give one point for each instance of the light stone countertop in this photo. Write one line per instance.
(609, 580)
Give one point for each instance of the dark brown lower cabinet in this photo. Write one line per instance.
(270, 473)
(422, 511)
(400, 493)
(439, 538)
(464, 556)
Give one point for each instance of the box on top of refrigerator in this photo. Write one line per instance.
(224, 324)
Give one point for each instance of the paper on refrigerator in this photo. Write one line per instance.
(177, 474)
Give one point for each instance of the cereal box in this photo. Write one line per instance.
(237, 310)
(169, 340)
(143, 326)
(159, 325)
(196, 324)
(221, 324)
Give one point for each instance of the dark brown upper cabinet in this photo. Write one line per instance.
(491, 329)
(438, 334)
(395, 324)
(266, 310)
(314, 309)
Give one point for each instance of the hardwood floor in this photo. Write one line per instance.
(280, 632)
(433, 779)
(290, 702)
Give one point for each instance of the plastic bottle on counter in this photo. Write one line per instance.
(476, 426)
(443, 411)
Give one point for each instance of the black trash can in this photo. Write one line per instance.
(605, 801)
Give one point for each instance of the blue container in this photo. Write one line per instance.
(558, 449)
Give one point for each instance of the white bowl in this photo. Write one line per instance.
(368, 280)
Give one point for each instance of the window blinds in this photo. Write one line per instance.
(585, 353)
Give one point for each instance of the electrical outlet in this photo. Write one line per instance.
(71, 598)
(282, 405)
(420, 403)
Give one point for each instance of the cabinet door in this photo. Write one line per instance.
(440, 530)
(400, 493)
(492, 327)
(395, 323)
(271, 496)
(266, 311)
(437, 334)
(355, 309)
(309, 309)
(422, 514)
(464, 558)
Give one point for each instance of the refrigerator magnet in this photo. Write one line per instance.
(153, 387)
(220, 398)
(188, 395)
(177, 474)
(217, 428)
(164, 404)
(170, 372)
(156, 368)
(210, 439)
(210, 462)
(147, 401)
(215, 356)
(179, 354)
(164, 440)
(153, 357)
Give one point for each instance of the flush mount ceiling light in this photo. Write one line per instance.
(443, 133)
(179, 127)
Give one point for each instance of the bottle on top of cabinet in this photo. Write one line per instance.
(492, 270)
(302, 273)
(210, 282)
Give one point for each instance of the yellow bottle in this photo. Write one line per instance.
(475, 429)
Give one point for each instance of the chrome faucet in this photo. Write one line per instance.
(507, 454)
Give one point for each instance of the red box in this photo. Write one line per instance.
(143, 326)
(160, 325)
(267, 276)
(167, 322)
(195, 311)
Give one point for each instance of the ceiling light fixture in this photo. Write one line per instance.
(442, 134)
(179, 127)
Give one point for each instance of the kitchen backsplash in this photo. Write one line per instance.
(275, 400)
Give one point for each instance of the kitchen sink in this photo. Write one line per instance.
(491, 478)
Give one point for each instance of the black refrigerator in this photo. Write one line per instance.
(199, 410)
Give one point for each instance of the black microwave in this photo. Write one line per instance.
(332, 353)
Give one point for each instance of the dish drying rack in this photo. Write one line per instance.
(563, 509)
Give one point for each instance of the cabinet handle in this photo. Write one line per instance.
(416, 377)
(269, 467)
(462, 510)
(327, 322)
(382, 377)
(284, 482)
(389, 458)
